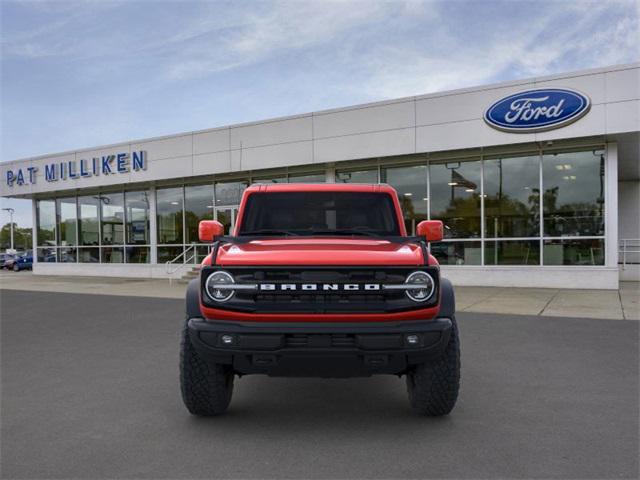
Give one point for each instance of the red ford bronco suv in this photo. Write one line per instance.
(320, 281)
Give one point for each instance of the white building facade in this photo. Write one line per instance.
(536, 181)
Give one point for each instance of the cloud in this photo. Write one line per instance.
(287, 26)
(522, 49)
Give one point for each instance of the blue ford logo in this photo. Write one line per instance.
(537, 110)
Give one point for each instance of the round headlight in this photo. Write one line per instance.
(425, 289)
(214, 286)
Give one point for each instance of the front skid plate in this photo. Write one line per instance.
(325, 350)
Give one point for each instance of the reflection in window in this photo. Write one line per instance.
(512, 252)
(226, 216)
(229, 193)
(67, 254)
(411, 185)
(574, 252)
(169, 207)
(512, 197)
(318, 177)
(88, 220)
(137, 254)
(457, 253)
(573, 198)
(46, 255)
(89, 255)
(166, 254)
(46, 217)
(455, 198)
(358, 176)
(198, 205)
(112, 255)
(112, 218)
(67, 212)
(202, 251)
(137, 218)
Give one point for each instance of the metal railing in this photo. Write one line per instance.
(188, 256)
(628, 247)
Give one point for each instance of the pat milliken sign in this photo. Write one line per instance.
(537, 110)
(105, 165)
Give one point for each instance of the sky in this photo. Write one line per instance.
(87, 73)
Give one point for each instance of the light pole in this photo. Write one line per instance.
(11, 212)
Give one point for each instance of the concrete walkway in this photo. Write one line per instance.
(610, 304)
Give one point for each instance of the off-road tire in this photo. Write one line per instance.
(206, 387)
(433, 386)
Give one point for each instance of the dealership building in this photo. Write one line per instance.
(536, 181)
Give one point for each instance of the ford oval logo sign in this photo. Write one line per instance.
(537, 110)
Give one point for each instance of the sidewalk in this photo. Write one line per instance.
(609, 304)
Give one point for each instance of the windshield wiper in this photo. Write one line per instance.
(268, 231)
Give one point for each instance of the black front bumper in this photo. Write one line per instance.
(320, 349)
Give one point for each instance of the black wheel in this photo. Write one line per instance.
(433, 386)
(16, 268)
(206, 387)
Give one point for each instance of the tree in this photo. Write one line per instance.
(21, 237)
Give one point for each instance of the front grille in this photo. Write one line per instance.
(323, 298)
(317, 301)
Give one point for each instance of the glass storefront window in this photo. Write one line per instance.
(573, 252)
(47, 254)
(169, 207)
(115, 227)
(411, 185)
(318, 177)
(137, 218)
(358, 176)
(457, 253)
(88, 227)
(166, 254)
(112, 254)
(89, 255)
(512, 197)
(46, 217)
(573, 198)
(67, 255)
(455, 197)
(202, 251)
(67, 221)
(198, 205)
(229, 193)
(112, 217)
(227, 217)
(512, 252)
(137, 254)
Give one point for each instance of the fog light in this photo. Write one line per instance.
(227, 339)
(413, 339)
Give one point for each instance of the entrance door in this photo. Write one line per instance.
(227, 217)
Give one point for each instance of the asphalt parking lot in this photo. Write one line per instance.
(90, 390)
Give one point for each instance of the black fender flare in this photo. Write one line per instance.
(192, 298)
(447, 299)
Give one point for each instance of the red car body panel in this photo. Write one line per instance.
(217, 314)
(336, 251)
(319, 251)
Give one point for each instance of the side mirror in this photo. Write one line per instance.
(432, 229)
(209, 230)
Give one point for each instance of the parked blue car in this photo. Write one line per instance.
(23, 262)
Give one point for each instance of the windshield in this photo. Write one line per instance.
(319, 213)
